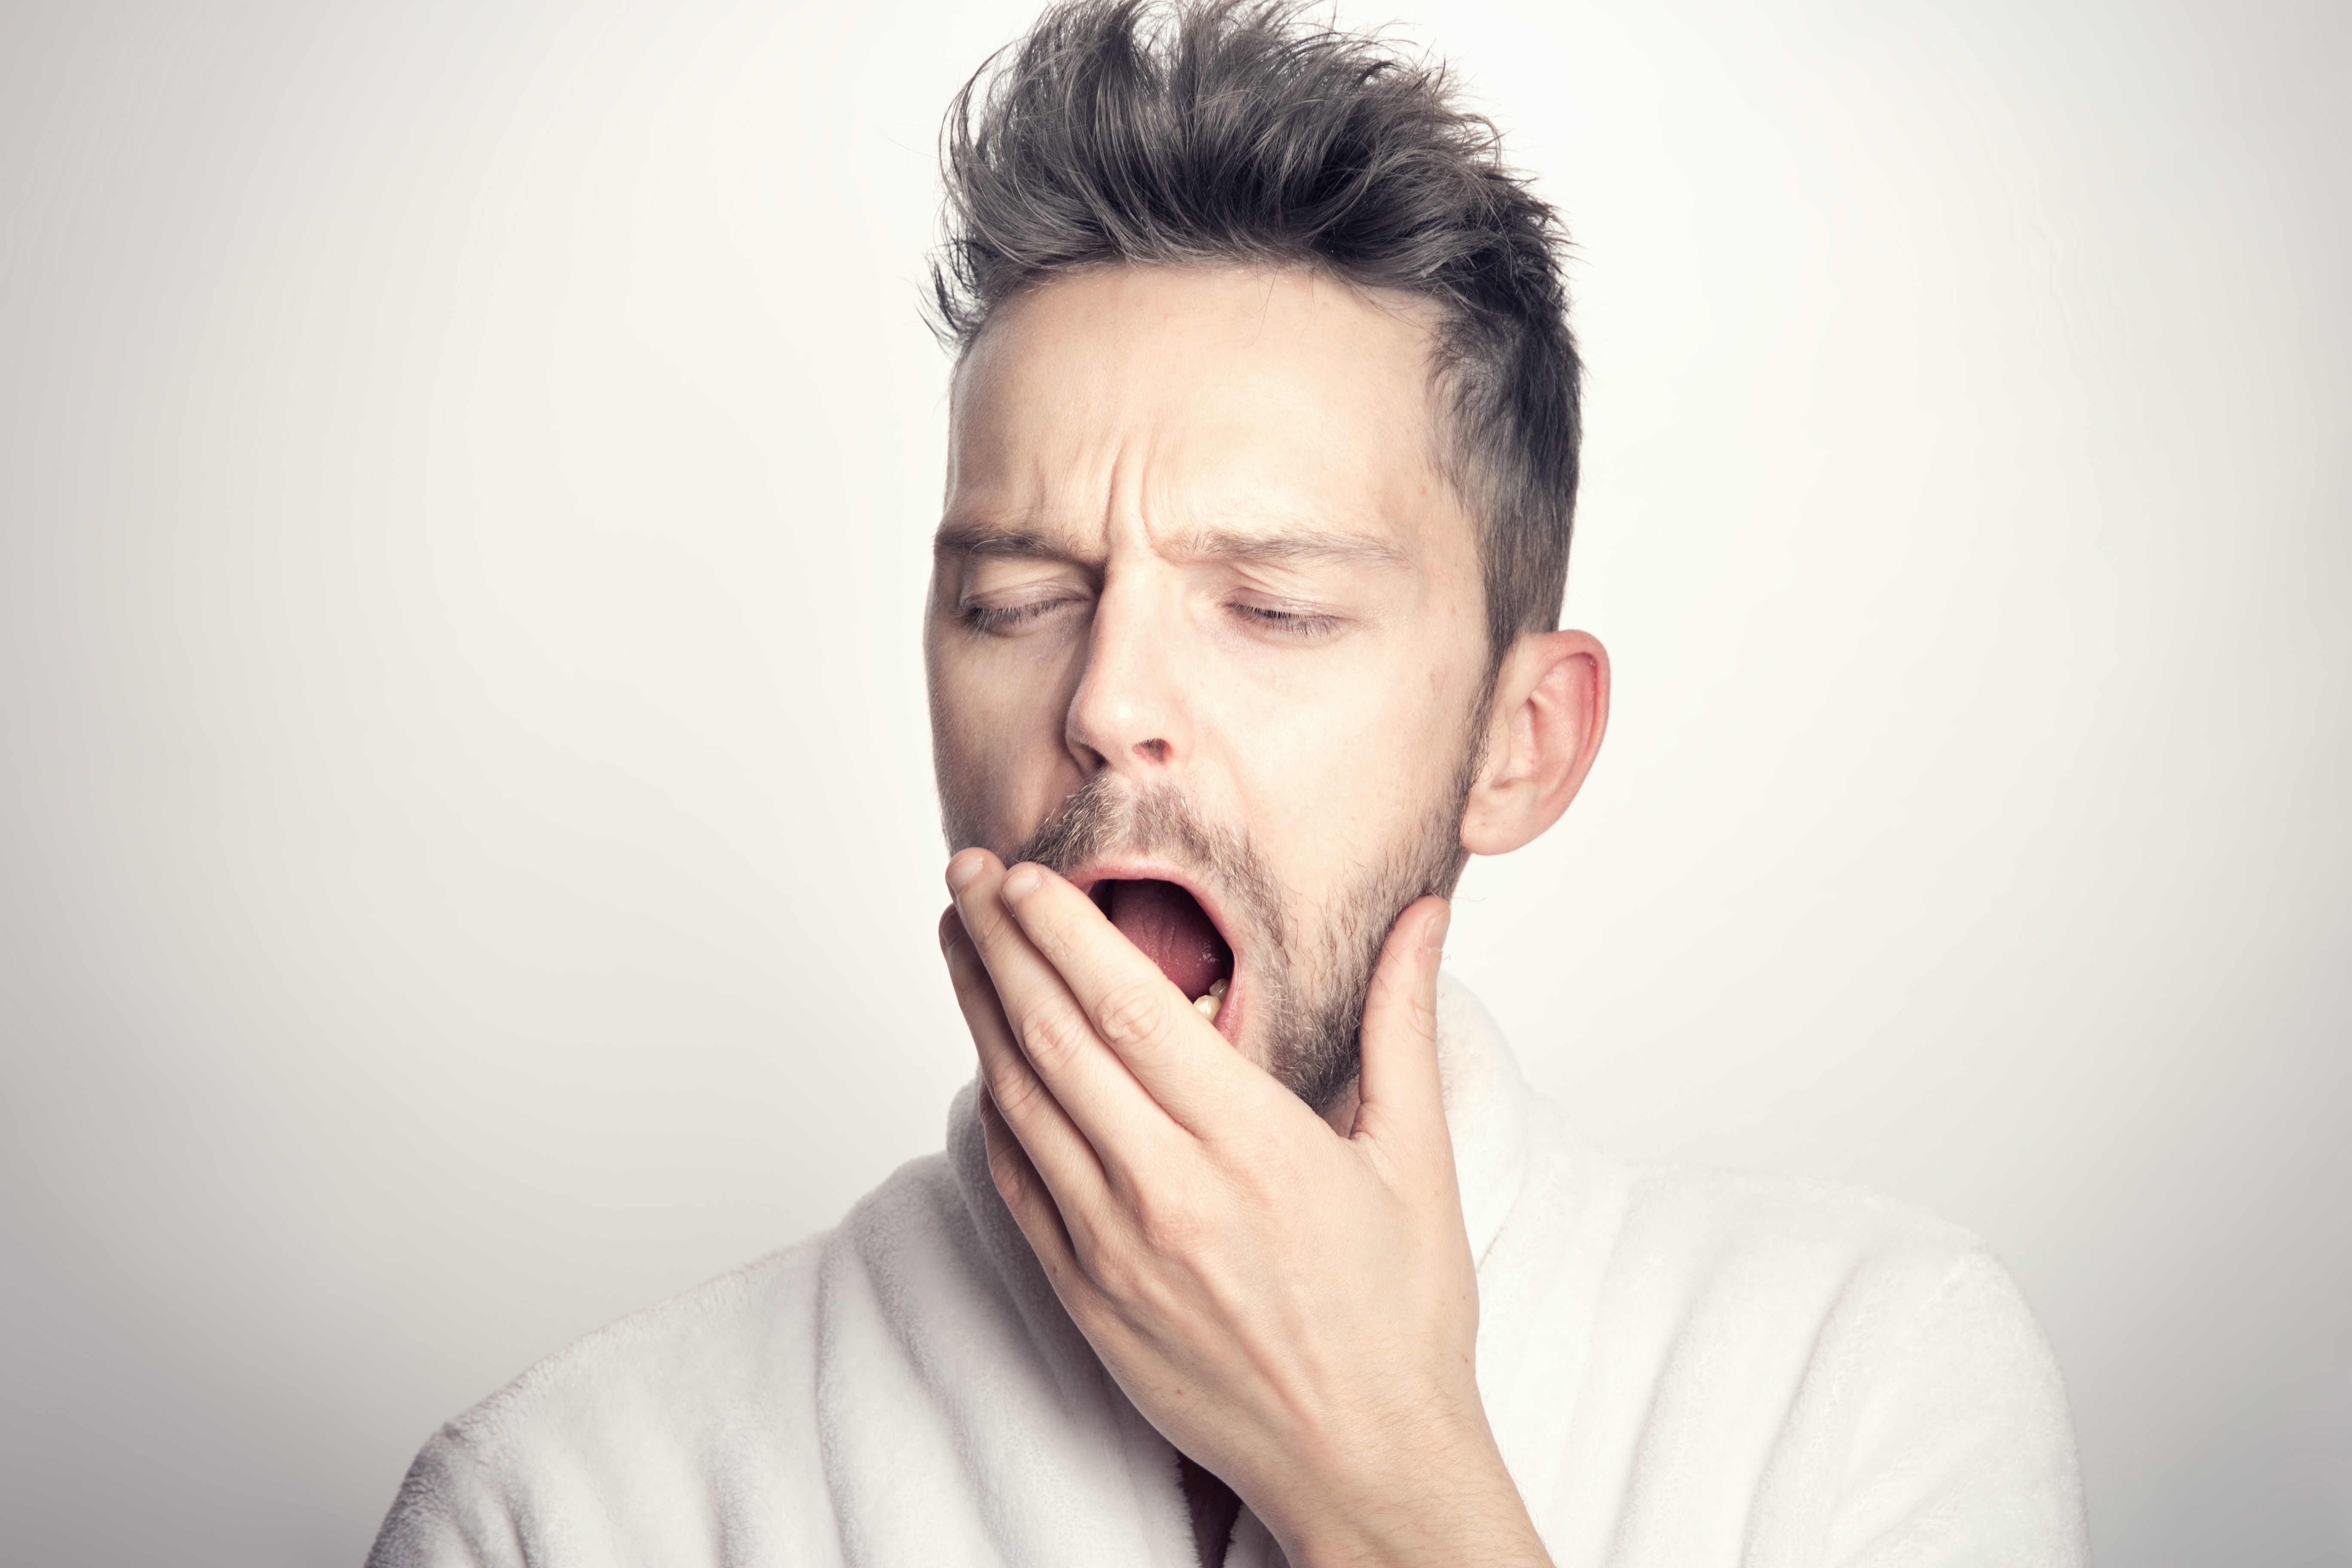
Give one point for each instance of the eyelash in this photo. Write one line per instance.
(986, 620)
(1303, 624)
(989, 621)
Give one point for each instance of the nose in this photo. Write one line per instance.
(1128, 714)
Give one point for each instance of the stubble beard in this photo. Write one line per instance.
(1307, 987)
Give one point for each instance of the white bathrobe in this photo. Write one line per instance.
(1682, 1369)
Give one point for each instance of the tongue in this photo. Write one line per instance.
(1167, 923)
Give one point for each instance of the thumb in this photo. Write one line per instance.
(1398, 1091)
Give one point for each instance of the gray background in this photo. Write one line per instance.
(467, 851)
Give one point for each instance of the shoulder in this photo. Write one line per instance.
(678, 1367)
(631, 1432)
(1901, 1392)
(1787, 1236)
(690, 1423)
(1829, 1281)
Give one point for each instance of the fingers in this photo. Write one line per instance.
(1081, 1075)
(1177, 1055)
(1401, 1095)
(1054, 1149)
(1029, 1199)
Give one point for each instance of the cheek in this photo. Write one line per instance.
(997, 720)
(1336, 773)
(966, 715)
(979, 722)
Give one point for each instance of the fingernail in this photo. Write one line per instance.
(1023, 880)
(1433, 935)
(962, 869)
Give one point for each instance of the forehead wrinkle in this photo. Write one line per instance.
(1197, 502)
(1049, 498)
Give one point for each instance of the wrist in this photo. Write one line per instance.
(1446, 1499)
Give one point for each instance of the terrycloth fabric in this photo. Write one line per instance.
(1683, 1368)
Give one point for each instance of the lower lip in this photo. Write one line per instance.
(1229, 1012)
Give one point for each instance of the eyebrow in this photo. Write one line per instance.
(982, 539)
(1305, 545)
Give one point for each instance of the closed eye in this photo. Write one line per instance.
(1010, 620)
(1306, 626)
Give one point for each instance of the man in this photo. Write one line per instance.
(1248, 1245)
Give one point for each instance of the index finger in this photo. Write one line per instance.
(1177, 1055)
(1085, 1077)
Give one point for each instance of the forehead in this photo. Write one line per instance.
(1196, 398)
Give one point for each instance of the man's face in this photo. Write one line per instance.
(1205, 613)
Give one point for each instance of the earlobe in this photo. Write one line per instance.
(1550, 709)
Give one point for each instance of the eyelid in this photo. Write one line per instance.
(1011, 609)
(1289, 618)
(1005, 610)
(1005, 580)
(1272, 602)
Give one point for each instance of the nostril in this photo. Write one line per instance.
(1152, 751)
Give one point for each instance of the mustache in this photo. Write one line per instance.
(1106, 816)
(1307, 1008)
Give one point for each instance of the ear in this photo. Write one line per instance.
(1550, 705)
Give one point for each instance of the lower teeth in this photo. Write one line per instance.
(1208, 1003)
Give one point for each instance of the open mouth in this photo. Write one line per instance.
(1171, 929)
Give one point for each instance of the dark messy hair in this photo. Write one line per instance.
(1208, 132)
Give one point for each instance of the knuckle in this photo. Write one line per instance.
(1015, 1092)
(1135, 1014)
(1265, 1155)
(1008, 1169)
(1396, 1002)
(1423, 1011)
(1053, 1037)
(1114, 1267)
(1168, 1226)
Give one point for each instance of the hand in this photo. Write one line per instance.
(1296, 1310)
